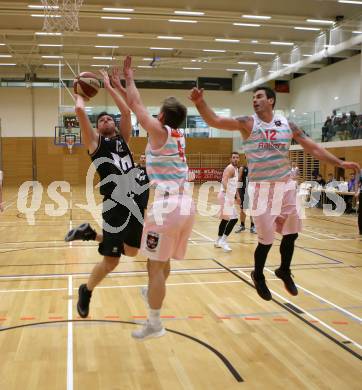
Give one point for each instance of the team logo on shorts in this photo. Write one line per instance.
(152, 241)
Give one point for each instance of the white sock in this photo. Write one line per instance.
(219, 238)
(224, 237)
(154, 317)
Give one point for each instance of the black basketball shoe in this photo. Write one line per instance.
(84, 296)
(261, 287)
(82, 232)
(286, 277)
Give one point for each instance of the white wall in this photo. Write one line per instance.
(316, 91)
(16, 106)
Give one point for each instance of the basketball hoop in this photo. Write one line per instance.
(61, 15)
(70, 143)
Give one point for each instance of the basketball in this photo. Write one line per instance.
(86, 85)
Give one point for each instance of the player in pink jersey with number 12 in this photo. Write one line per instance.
(267, 137)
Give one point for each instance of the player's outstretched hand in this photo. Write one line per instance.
(350, 165)
(106, 81)
(196, 95)
(116, 81)
(127, 68)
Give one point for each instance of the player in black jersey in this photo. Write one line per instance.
(244, 199)
(122, 216)
(143, 180)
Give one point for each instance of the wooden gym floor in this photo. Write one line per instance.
(221, 334)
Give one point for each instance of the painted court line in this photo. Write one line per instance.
(359, 319)
(344, 337)
(70, 336)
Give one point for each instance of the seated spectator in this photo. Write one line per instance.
(331, 181)
(294, 171)
(352, 183)
(326, 129)
(320, 180)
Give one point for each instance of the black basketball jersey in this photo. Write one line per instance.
(142, 179)
(244, 178)
(118, 160)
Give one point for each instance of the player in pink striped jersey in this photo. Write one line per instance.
(170, 218)
(267, 137)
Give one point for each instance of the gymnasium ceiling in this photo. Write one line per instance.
(151, 19)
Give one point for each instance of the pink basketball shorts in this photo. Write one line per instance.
(274, 209)
(168, 226)
(227, 206)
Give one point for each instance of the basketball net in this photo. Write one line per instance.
(61, 15)
(70, 144)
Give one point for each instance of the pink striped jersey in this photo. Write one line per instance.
(267, 150)
(166, 167)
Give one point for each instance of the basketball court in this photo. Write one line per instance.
(220, 333)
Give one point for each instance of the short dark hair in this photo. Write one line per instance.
(103, 113)
(174, 112)
(269, 92)
(235, 153)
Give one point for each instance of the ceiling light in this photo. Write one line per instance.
(144, 66)
(307, 55)
(182, 21)
(107, 47)
(247, 24)
(115, 17)
(336, 98)
(169, 37)
(268, 53)
(161, 48)
(189, 68)
(320, 21)
(214, 50)
(48, 33)
(100, 66)
(254, 41)
(357, 32)
(189, 13)
(110, 35)
(235, 70)
(307, 28)
(256, 17)
(43, 16)
(118, 9)
(103, 58)
(282, 43)
(227, 40)
(52, 57)
(2, 44)
(350, 2)
(50, 45)
(147, 59)
(42, 6)
(6, 64)
(53, 64)
(247, 63)
(5, 55)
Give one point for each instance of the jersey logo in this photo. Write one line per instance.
(152, 241)
(278, 123)
(119, 147)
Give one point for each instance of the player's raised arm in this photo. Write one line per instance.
(125, 126)
(145, 119)
(89, 135)
(242, 124)
(319, 152)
